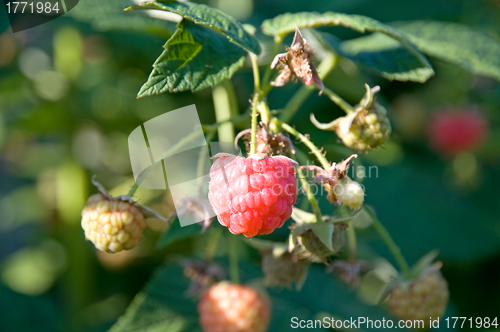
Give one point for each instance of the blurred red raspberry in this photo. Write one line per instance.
(226, 307)
(252, 195)
(453, 131)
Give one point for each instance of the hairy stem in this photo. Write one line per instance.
(314, 149)
(256, 75)
(386, 237)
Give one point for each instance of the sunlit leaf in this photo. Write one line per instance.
(284, 24)
(209, 17)
(459, 44)
(381, 54)
(194, 58)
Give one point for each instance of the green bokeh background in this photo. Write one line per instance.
(68, 103)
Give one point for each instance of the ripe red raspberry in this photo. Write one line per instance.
(252, 195)
(453, 131)
(226, 307)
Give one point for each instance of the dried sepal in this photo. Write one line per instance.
(335, 173)
(340, 188)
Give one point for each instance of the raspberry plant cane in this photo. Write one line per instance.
(242, 189)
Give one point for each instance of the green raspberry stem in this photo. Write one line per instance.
(314, 149)
(386, 237)
(345, 106)
(255, 102)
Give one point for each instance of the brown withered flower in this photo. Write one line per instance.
(266, 142)
(296, 62)
(335, 173)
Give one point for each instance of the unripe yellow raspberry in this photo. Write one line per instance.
(421, 299)
(112, 224)
(371, 128)
(349, 193)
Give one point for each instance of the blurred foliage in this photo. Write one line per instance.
(68, 102)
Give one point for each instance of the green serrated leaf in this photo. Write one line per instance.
(466, 47)
(324, 232)
(381, 54)
(209, 17)
(175, 232)
(284, 24)
(194, 58)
